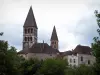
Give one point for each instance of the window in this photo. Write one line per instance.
(81, 58)
(88, 61)
(25, 31)
(52, 42)
(74, 60)
(54, 46)
(31, 30)
(30, 38)
(70, 60)
(25, 39)
(50, 54)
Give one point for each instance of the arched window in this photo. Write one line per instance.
(54, 46)
(52, 42)
(30, 38)
(81, 58)
(31, 30)
(25, 31)
(25, 39)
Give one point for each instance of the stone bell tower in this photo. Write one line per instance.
(54, 39)
(29, 30)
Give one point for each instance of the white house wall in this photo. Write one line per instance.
(78, 61)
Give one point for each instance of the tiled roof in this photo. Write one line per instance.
(40, 48)
(54, 34)
(30, 20)
(82, 50)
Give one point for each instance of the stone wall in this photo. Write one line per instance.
(40, 56)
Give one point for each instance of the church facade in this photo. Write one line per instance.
(31, 47)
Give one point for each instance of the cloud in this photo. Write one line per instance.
(74, 20)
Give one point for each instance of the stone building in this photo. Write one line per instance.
(80, 55)
(31, 47)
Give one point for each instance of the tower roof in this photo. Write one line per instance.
(54, 34)
(30, 20)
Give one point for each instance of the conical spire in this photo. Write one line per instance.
(54, 35)
(30, 20)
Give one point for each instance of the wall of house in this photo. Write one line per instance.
(76, 59)
(87, 59)
(40, 56)
(72, 60)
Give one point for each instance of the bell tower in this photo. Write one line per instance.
(29, 30)
(54, 39)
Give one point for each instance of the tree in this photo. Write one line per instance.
(53, 67)
(30, 67)
(96, 45)
(9, 60)
(3, 52)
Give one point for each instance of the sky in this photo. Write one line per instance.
(74, 20)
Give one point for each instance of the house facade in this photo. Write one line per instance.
(80, 55)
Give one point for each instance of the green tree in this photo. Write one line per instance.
(53, 67)
(9, 60)
(30, 67)
(13, 61)
(80, 70)
(96, 45)
(3, 53)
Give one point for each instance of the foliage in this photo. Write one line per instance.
(9, 60)
(53, 67)
(96, 46)
(80, 70)
(12, 64)
(30, 67)
(3, 52)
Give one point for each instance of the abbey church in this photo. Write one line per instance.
(31, 47)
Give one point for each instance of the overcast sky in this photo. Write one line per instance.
(74, 20)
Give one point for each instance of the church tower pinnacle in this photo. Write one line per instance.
(29, 30)
(54, 39)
